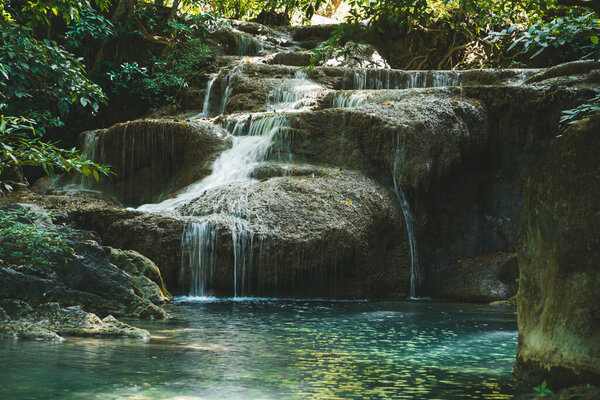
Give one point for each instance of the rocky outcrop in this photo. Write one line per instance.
(152, 158)
(559, 259)
(49, 321)
(323, 233)
(144, 271)
(82, 276)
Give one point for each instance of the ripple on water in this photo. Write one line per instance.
(249, 348)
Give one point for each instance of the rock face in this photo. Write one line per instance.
(324, 232)
(85, 277)
(559, 260)
(483, 279)
(152, 158)
(145, 272)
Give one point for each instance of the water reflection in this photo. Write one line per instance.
(280, 350)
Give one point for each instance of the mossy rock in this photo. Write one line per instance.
(144, 271)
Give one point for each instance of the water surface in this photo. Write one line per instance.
(268, 349)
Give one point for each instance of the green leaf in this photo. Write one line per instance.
(594, 39)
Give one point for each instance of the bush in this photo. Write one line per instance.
(24, 243)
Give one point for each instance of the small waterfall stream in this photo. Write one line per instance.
(415, 272)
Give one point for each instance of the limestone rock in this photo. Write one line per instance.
(84, 276)
(334, 234)
(475, 280)
(145, 272)
(559, 260)
(49, 321)
(152, 158)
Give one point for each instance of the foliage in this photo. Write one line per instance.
(20, 145)
(249, 9)
(25, 243)
(575, 36)
(569, 117)
(38, 77)
(42, 12)
(91, 25)
(542, 389)
(171, 73)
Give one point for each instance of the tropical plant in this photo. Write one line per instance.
(569, 117)
(20, 145)
(26, 243)
(575, 36)
(542, 389)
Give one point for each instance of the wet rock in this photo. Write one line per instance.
(568, 74)
(83, 276)
(293, 58)
(145, 272)
(3, 315)
(15, 308)
(337, 234)
(559, 255)
(152, 158)
(474, 280)
(156, 237)
(49, 321)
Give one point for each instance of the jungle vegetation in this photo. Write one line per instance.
(68, 65)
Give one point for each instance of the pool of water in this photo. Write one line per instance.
(280, 349)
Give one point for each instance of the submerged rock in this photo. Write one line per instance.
(559, 260)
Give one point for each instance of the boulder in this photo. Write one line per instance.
(83, 275)
(145, 272)
(559, 261)
(49, 321)
(328, 233)
(151, 158)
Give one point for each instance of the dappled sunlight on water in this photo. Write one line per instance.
(280, 350)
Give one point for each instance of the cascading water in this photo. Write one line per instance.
(89, 151)
(234, 166)
(348, 99)
(415, 273)
(294, 94)
(207, 96)
(254, 141)
(198, 254)
(377, 79)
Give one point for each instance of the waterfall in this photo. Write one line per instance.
(415, 273)
(246, 44)
(348, 99)
(234, 165)
(294, 94)
(198, 253)
(372, 79)
(89, 151)
(206, 103)
(254, 140)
